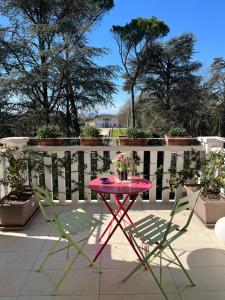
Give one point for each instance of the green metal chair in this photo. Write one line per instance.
(157, 234)
(70, 223)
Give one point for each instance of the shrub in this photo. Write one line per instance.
(91, 131)
(177, 131)
(48, 131)
(136, 133)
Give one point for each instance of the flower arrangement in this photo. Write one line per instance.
(124, 164)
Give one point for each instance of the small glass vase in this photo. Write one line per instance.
(122, 176)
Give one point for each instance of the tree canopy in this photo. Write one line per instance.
(48, 63)
(133, 39)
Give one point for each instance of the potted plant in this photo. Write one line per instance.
(177, 136)
(124, 166)
(19, 205)
(203, 172)
(91, 137)
(134, 137)
(211, 176)
(155, 140)
(48, 135)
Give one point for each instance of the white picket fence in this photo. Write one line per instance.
(87, 159)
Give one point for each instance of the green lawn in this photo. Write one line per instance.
(116, 132)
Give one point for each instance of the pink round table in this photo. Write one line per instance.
(131, 189)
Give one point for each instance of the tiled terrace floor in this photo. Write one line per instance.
(21, 252)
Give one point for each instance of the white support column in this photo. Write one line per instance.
(4, 188)
(61, 177)
(87, 175)
(48, 172)
(180, 166)
(140, 167)
(112, 168)
(74, 177)
(153, 169)
(166, 176)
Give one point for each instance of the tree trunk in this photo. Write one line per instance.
(222, 123)
(132, 107)
(68, 119)
(76, 126)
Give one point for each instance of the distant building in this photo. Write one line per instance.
(104, 121)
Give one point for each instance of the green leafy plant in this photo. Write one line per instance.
(91, 131)
(177, 131)
(16, 172)
(48, 131)
(212, 172)
(136, 133)
(209, 172)
(124, 162)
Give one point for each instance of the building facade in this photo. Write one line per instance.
(104, 121)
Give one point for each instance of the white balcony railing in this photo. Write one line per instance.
(81, 163)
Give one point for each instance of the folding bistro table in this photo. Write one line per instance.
(130, 189)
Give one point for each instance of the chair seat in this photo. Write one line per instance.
(151, 229)
(77, 221)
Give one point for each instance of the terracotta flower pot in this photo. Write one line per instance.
(86, 141)
(181, 141)
(50, 142)
(133, 142)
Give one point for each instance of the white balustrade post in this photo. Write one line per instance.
(180, 167)
(166, 175)
(153, 169)
(3, 170)
(61, 177)
(74, 177)
(48, 172)
(87, 175)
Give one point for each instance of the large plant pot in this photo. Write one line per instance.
(181, 141)
(17, 214)
(50, 142)
(133, 142)
(208, 210)
(85, 141)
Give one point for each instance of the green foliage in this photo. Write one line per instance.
(16, 173)
(208, 171)
(48, 64)
(133, 39)
(136, 133)
(212, 173)
(177, 131)
(91, 131)
(48, 131)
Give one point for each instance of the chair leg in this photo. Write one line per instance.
(182, 267)
(49, 253)
(91, 262)
(156, 280)
(80, 252)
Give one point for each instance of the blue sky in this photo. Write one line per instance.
(204, 18)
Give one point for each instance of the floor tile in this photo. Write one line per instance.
(206, 279)
(77, 282)
(20, 260)
(142, 283)
(80, 297)
(58, 260)
(204, 296)
(137, 297)
(11, 282)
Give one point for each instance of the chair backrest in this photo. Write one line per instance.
(185, 203)
(50, 215)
